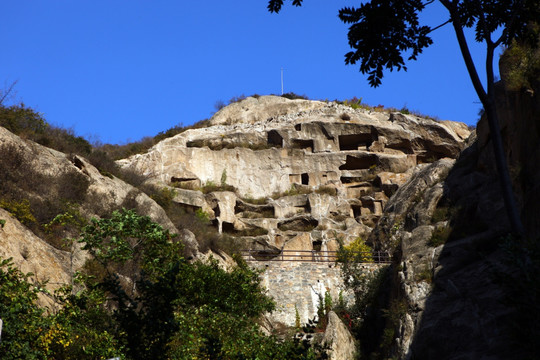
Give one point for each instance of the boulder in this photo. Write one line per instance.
(339, 339)
(31, 254)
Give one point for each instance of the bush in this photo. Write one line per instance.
(293, 96)
(210, 186)
(520, 66)
(22, 121)
(345, 117)
(29, 124)
(440, 235)
(163, 196)
(255, 201)
(356, 251)
(21, 210)
(22, 318)
(328, 190)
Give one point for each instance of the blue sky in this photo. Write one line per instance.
(116, 71)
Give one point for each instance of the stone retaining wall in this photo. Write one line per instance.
(299, 284)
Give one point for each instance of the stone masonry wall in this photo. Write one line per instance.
(299, 284)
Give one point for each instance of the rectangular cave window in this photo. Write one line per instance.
(354, 141)
(274, 139)
(298, 127)
(357, 210)
(302, 144)
(359, 162)
(227, 227)
(305, 179)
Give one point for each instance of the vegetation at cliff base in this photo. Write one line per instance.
(138, 298)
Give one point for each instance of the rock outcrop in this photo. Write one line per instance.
(305, 173)
(339, 339)
(283, 177)
(451, 230)
(55, 182)
(33, 255)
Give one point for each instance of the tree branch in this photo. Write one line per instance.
(462, 41)
(505, 34)
(440, 26)
(5, 94)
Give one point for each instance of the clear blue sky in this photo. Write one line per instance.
(116, 71)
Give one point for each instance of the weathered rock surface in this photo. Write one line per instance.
(339, 339)
(62, 175)
(449, 224)
(33, 255)
(298, 168)
(306, 177)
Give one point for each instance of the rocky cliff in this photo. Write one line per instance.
(303, 174)
(39, 183)
(462, 279)
(274, 174)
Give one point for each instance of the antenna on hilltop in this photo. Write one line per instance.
(281, 80)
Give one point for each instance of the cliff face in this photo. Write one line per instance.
(463, 280)
(271, 173)
(306, 173)
(39, 183)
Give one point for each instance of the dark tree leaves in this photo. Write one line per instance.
(381, 33)
(274, 6)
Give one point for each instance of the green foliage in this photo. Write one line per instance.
(356, 251)
(354, 103)
(327, 302)
(27, 123)
(441, 213)
(23, 322)
(202, 216)
(169, 308)
(328, 190)
(81, 328)
(405, 110)
(520, 64)
(180, 310)
(24, 199)
(293, 191)
(440, 236)
(71, 216)
(21, 210)
(380, 33)
(211, 186)
(163, 196)
(116, 152)
(22, 120)
(2, 223)
(297, 324)
(128, 237)
(364, 316)
(425, 274)
(224, 177)
(255, 201)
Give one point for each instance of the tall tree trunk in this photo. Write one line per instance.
(488, 101)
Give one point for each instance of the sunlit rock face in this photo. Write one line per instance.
(297, 167)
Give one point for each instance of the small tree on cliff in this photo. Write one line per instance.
(381, 32)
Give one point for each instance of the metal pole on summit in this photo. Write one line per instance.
(281, 80)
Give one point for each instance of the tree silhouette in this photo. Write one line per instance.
(382, 32)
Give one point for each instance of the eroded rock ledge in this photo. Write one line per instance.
(304, 173)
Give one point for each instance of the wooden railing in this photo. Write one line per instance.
(314, 256)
